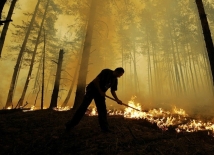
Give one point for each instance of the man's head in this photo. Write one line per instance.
(118, 72)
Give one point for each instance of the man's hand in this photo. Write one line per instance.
(119, 101)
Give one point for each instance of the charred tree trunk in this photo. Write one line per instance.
(207, 35)
(57, 81)
(6, 25)
(81, 82)
(205, 60)
(16, 68)
(2, 3)
(33, 58)
(71, 87)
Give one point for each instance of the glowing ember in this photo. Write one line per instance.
(32, 108)
(9, 108)
(66, 108)
(115, 112)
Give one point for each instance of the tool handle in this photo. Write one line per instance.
(110, 97)
(123, 103)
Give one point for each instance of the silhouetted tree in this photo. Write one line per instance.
(207, 34)
(16, 69)
(54, 97)
(81, 82)
(2, 3)
(6, 25)
(33, 57)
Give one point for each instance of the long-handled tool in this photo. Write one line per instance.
(123, 104)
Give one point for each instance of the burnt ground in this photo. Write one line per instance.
(42, 132)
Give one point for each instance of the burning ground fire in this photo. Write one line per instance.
(164, 119)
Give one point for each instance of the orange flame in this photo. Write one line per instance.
(163, 118)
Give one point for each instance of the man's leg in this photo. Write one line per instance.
(102, 112)
(80, 111)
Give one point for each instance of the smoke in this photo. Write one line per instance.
(126, 34)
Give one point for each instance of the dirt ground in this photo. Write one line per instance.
(42, 132)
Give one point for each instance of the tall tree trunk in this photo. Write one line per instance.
(205, 58)
(191, 70)
(55, 93)
(177, 76)
(33, 57)
(2, 3)
(6, 25)
(155, 72)
(43, 73)
(48, 81)
(171, 84)
(150, 78)
(207, 35)
(179, 60)
(37, 76)
(18, 61)
(71, 87)
(136, 82)
(194, 67)
(81, 82)
(201, 79)
(122, 53)
(187, 76)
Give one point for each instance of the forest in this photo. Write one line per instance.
(51, 49)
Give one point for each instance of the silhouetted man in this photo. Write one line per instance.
(96, 90)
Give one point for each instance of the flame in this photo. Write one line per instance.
(9, 108)
(180, 112)
(195, 125)
(32, 108)
(93, 112)
(164, 119)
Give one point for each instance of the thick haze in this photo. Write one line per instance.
(159, 44)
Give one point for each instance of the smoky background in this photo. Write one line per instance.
(160, 45)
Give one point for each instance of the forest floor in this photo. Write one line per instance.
(43, 132)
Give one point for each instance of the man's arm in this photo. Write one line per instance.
(115, 97)
(97, 85)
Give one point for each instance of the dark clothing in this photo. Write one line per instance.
(101, 108)
(107, 80)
